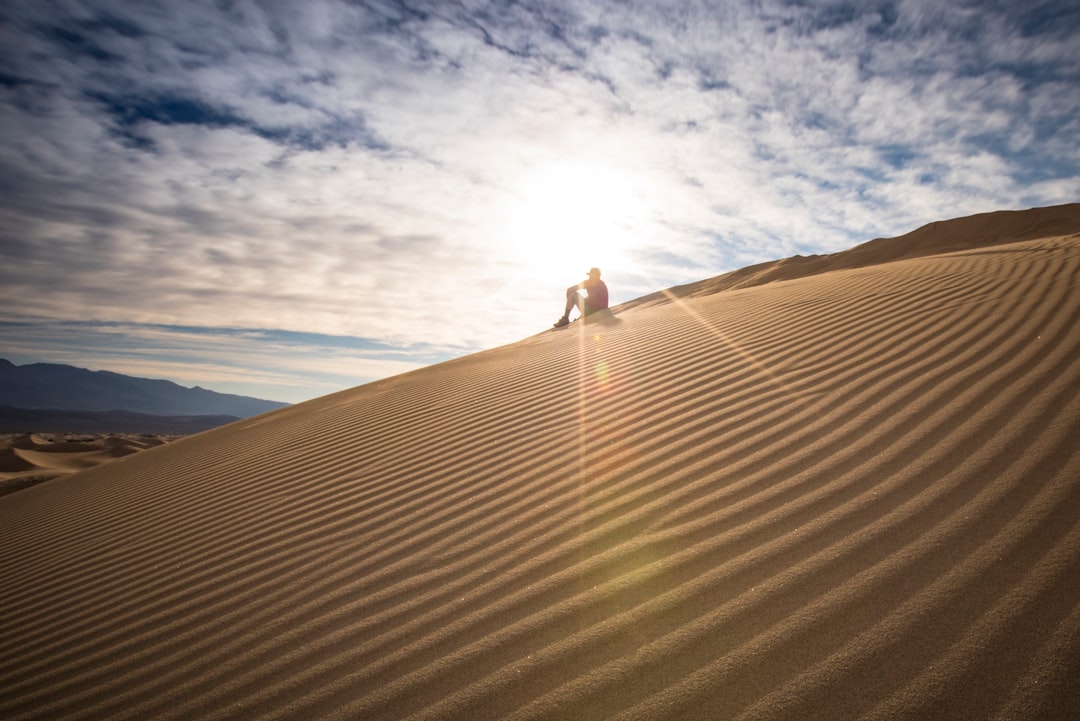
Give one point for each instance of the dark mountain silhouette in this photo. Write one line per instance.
(63, 387)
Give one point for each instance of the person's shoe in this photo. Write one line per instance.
(562, 321)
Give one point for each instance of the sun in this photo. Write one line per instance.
(567, 216)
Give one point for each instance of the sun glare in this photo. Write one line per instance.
(568, 216)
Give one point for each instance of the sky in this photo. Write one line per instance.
(284, 199)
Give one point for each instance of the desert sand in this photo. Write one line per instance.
(852, 493)
(27, 459)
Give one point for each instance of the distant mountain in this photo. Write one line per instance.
(64, 387)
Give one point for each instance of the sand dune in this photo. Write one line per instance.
(29, 459)
(983, 230)
(854, 494)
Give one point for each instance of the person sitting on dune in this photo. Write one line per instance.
(596, 297)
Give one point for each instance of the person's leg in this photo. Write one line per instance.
(572, 298)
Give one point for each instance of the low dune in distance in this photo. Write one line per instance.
(27, 459)
(853, 494)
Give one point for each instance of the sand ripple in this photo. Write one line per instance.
(850, 495)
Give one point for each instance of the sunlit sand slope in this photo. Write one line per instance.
(943, 236)
(850, 495)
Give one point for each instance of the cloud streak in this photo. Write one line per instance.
(392, 171)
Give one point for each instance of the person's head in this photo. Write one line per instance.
(594, 272)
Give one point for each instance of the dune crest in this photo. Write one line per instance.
(853, 494)
(975, 231)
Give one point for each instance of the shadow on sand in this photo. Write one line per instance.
(601, 317)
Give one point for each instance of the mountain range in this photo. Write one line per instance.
(51, 386)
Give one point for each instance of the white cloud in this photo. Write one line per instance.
(371, 170)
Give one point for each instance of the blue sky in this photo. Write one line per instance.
(284, 199)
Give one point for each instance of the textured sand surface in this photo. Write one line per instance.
(854, 494)
(29, 459)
